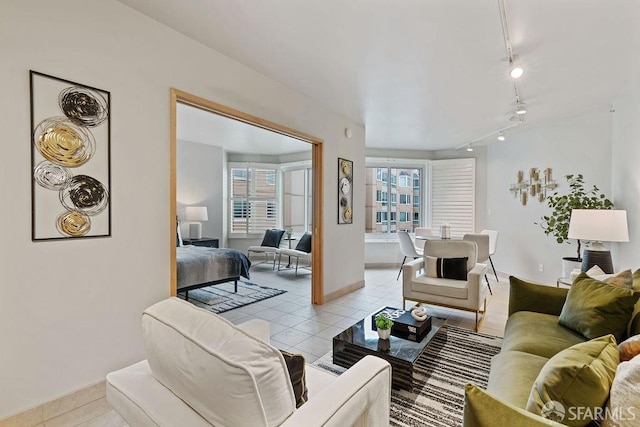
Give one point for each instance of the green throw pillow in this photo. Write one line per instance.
(576, 381)
(594, 308)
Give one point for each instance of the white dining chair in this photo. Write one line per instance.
(407, 248)
(493, 243)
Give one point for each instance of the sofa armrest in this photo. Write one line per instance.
(257, 328)
(481, 409)
(474, 282)
(526, 296)
(361, 396)
(409, 272)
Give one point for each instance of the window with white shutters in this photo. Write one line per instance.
(254, 199)
(453, 195)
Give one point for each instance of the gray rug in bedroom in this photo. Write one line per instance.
(454, 357)
(221, 298)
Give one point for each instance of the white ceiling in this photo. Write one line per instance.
(423, 74)
(200, 126)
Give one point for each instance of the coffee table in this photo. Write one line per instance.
(360, 340)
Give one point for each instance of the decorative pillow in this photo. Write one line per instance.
(577, 377)
(226, 375)
(595, 271)
(304, 244)
(629, 348)
(594, 308)
(622, 409)
(178, 235)
(448, 268)
(272, 238)
(296, 366)
(624, 279)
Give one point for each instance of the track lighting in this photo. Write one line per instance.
(516, 71)
(501, 136)
(521, 108)
(469, 148)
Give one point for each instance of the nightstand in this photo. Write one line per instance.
(205, 241)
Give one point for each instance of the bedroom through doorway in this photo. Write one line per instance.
(249, 174)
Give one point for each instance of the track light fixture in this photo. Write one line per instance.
(501, 136)
(521, 108)
(469, 148)
(515, 70)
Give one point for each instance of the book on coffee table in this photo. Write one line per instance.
(404, 325)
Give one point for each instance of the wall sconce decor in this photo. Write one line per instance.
(535, 187)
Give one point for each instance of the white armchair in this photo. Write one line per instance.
(467, 294)
(202, 370)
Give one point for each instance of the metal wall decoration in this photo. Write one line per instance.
(535, 187)
(345, 191)
(70, 159)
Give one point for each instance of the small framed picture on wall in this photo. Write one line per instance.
(345, 191)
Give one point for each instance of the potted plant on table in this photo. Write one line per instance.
(556, 224)
(383, 325)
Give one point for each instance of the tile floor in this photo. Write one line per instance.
(298, 326)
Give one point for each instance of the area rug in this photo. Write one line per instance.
(453, 358)
(221, 298)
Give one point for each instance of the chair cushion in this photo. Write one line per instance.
(269, 249)
(224, 374)
(304, 244)
(447, 268)
(452, 249)
(595, 308)
(538, 334)
(272, 237)
(578, 377)
(443, 287)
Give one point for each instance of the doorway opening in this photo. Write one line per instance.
(314, 178)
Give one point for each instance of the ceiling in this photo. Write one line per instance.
(196, 125)
(423, 74)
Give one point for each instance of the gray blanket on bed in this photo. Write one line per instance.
(198, 265)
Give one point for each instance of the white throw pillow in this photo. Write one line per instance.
(595, 271)
(229, 377)
(622, 409)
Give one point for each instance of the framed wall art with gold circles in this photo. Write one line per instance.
(345, 191)
(70, 159)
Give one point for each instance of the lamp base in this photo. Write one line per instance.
(195, 230)
(600, 258)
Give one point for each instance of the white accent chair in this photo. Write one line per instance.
(269, 246)
(407, 248)
(302, 250)
(493, 244)
(468, 295)
(201, 370)
(482, 240)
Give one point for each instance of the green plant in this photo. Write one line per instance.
(383, 321)
(557, 223)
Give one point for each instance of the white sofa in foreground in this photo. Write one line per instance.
(201, 370)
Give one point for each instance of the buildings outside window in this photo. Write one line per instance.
(253, 199)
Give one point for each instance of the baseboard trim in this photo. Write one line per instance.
(57, 407)
(343, 291)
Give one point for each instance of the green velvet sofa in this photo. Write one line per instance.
(532, 336)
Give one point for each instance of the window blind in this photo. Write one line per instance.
(453, 186)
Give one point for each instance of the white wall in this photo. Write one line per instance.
(576, 145)
(625, 170)
(70, 310)
(199, 182)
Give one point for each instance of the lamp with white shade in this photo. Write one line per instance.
(196, 214)
(597, 226)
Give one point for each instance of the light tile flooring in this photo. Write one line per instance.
(298, 326)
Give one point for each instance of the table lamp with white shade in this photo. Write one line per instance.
(598, 225)
(196, 214)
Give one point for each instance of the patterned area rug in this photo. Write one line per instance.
(453, 358)
(221, 298)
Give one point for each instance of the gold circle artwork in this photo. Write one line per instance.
(64, 143)
(346, 169)
(73, 223)
(347, 213)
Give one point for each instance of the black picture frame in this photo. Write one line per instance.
(70, 159)
(345, 191)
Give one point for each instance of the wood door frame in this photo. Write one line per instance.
(178, 96)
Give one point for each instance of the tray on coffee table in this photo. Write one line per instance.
(361, 340)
